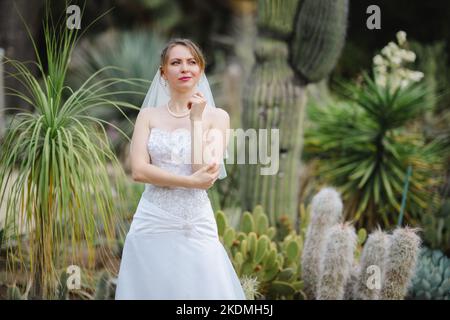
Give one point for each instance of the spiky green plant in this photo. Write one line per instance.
(134, 53)
(365, 145)
(54, 163)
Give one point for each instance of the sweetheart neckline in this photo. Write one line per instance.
(170, 131)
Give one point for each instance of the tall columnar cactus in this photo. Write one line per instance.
(400, 263)
(320, 30)
(336, 262)
(276, 98)
(332, 268)
(326, 211)
(352, 282)
(374, 254)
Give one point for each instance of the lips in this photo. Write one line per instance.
(184, 78)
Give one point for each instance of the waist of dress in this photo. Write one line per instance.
(153, 218)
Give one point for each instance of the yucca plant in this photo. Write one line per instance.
(61, 198)
(365, 145)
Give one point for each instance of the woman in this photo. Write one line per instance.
(172, 250)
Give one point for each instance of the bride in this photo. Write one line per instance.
(172, 250)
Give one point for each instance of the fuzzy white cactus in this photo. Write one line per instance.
(372, 262)
(326, 211)
(336, 262)
(401, 263)
(352, 282)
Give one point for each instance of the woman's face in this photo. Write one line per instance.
(181, 71)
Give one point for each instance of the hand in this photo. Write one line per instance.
(205, 177)
(197, 104)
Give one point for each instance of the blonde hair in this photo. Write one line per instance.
(195, 50)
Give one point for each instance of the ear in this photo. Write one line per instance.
(161, 71)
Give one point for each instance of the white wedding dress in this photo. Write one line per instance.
(172, 250)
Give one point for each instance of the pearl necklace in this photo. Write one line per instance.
(177, 115)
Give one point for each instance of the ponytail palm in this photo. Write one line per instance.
(61, 196)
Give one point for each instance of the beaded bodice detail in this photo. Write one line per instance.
(171, 150)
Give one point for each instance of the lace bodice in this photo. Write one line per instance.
(171, 150)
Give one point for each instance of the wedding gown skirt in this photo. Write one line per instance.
(172, 250)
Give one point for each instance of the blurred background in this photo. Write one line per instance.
(364, 111)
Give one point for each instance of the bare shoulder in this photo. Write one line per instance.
(148, 114)
(218, 115)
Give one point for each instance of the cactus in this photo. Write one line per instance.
(250, 285)
(319, 37)
(277, 97)
(326, 210)
(352, 281)
(400, 263)
(373, 254)
(13, 293)
(103, 289)
(329, 267)
(432, 278)
(256, 256)
(62, 290)
(336, 262)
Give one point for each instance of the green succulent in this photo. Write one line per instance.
(255, 254)
(432, 277)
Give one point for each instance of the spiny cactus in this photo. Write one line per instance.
(331, 270)
(400, 264)
(62, 290)
(336, 262)
(319, 37)
(255, 254)
(103, 288)
(13, 293)
(326, 211)
(250, 285)
(287, 61)
(351, 285)
(374, 254)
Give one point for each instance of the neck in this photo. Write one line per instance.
(179, 101)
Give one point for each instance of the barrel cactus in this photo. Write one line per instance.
(432, 278)
(286, 61)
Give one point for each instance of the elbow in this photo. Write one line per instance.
(135, 174)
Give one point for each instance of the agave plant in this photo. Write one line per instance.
(54, 167)
(365, 145)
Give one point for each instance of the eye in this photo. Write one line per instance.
(193, 61)
(174, 62)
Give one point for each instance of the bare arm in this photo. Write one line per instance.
(141, 168)
(211, 149)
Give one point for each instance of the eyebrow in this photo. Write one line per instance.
(174, 59)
